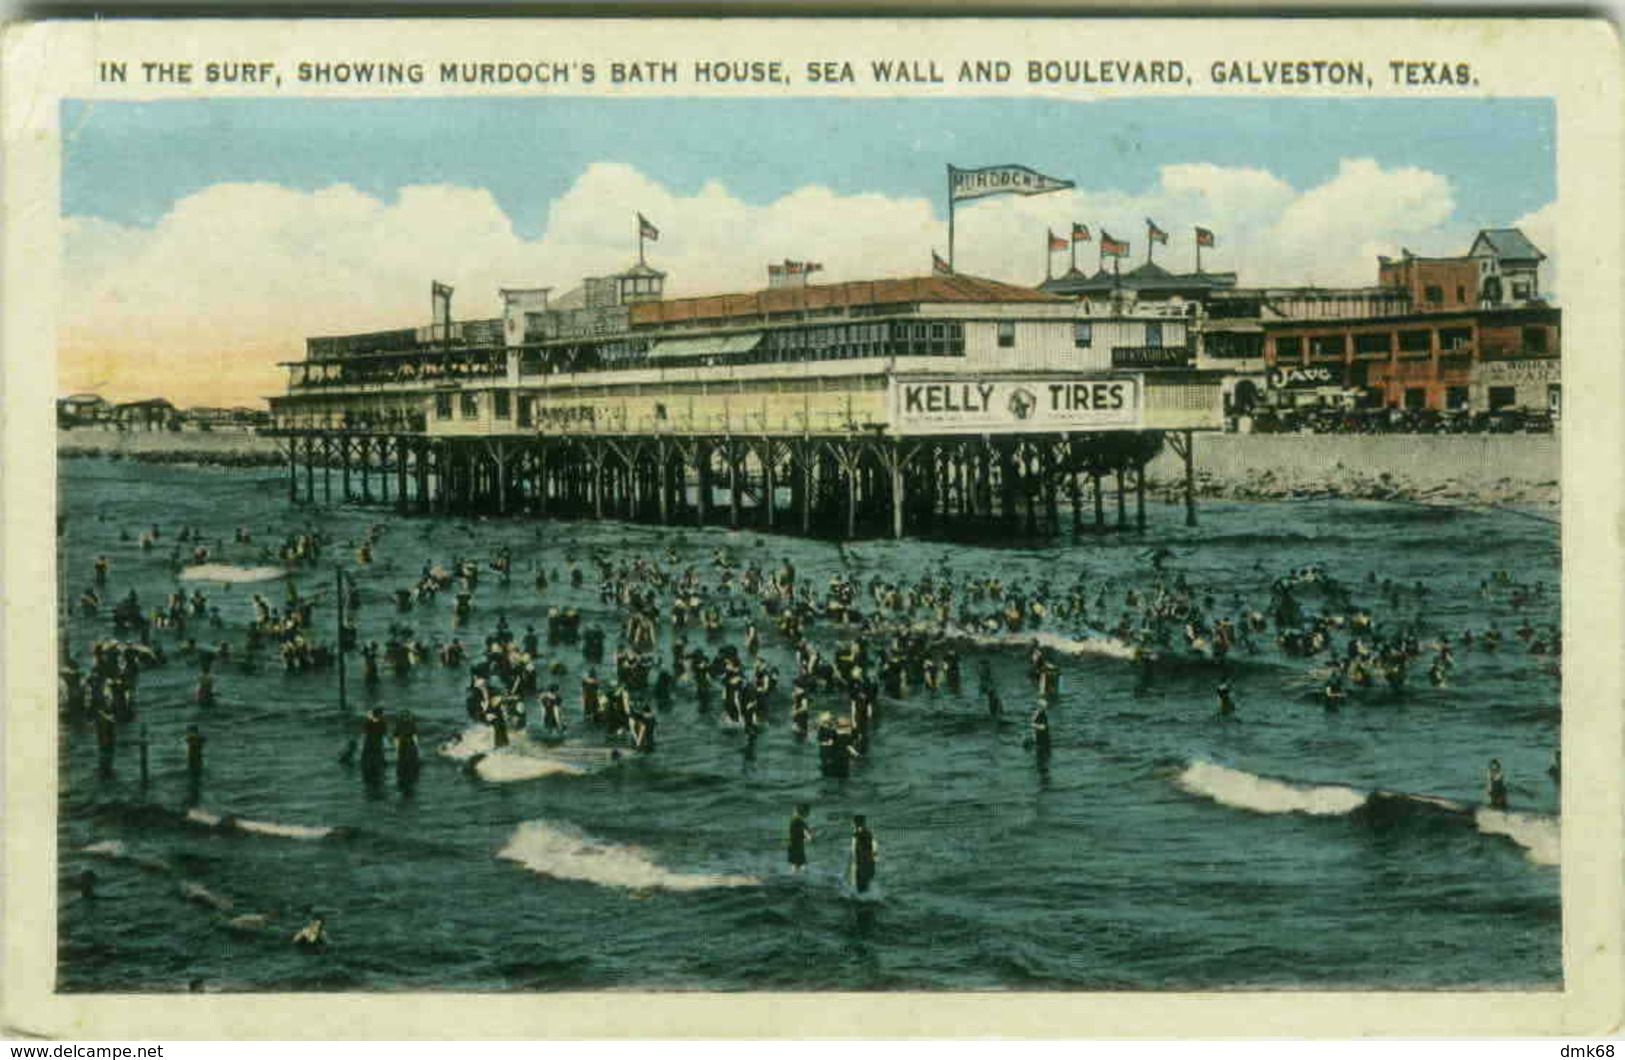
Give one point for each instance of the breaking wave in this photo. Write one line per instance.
(564, 853)
(225, 572)
(239, 824)
(1246, 791)
(1540, 835)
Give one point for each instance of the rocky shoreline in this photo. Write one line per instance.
(1512, 470)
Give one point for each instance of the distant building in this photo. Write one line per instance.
(1501, 269)
(150, 414)
(78, 410)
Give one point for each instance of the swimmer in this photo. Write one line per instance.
(800, 835)
(313, 936)
(1495, 782)
(865, 852)
(1227, 704)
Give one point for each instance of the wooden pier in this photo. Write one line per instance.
(839, 485)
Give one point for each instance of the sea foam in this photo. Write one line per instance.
(1234, 787)
(565, 853)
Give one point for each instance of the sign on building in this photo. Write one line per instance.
(1300, 378)
(951, 406)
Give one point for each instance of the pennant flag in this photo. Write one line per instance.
(792, 267)
(939, 265)
(440, 290)
(1056, 242)
(1080, 233)
(1204, 238)
(647, 230)
(1000, 180)
(1117, 248)
(775, 270)
(1154, 233)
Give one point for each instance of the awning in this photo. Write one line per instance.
(707, 346)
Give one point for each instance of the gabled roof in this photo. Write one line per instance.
(911, 291)
(1508, 244)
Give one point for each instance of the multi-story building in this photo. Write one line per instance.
(976, 371)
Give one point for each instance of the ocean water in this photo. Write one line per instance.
(1160, 849)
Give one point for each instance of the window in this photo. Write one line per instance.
(500, 407)
(442, 406)
(1083, 334)
(525, 403)
(1455, 338)
(1433, 294)
(1414, 341)
(1554, 397)
(1007, 333)
(1416, 397)
(1455, 397)
(1373, 342)
(1288, 346)
(1153, 335)
(1521, 291)
(1502, 397)
(660, 410)
(1534, 340)
(1329, 345)
(1461, 294)
(471, 406)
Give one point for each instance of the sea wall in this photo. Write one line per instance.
(1484, 468)
(229, 446)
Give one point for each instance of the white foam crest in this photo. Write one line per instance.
(225, 572)
(1108, 647)
(107, 848)
(565, 853)
(1234, 787)
(240, 824)
(196, 892)
(115, 850)
(505, 767)
(1541, 836)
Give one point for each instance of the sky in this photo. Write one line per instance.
(204, 240)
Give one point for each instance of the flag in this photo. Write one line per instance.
(1056, 242)
(1154, 233)
(775, 270)
(440, 290)
(792, 267)
(938, 265)
(1000, 180)
(813, 266)
(647, 230)
(1204, 238)
(1115, 247)
(1080, 233)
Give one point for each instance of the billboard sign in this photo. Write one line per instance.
(975, 404)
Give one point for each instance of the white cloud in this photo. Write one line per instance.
(1541, 228)
(236, 275)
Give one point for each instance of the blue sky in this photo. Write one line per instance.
(204, 240)
(129, 163)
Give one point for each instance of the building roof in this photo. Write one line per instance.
(1148, 277)
(910, 291)
(1509, 243)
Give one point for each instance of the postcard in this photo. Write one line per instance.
(1027, 528)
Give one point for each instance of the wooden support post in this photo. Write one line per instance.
(344, 465)
(1122, 500)
(806, 480)
(897, 460)
(770, 484)
(327, 468)
(733, 484)
(366, 469)
(1100, 503)
(502, 478)
(1190, 478)
(664, 483)
(1052, 512)
(702, 471)
(850, 473)
(400, 473)
(293, 470)
(1139, 497)
(596, 455)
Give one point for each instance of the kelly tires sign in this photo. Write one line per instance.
(952, 406)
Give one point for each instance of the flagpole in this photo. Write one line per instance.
(640, 239)
(1149, 244)
(1198, 254)
(1049, 259)
(1074, 252)
(950, 218)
